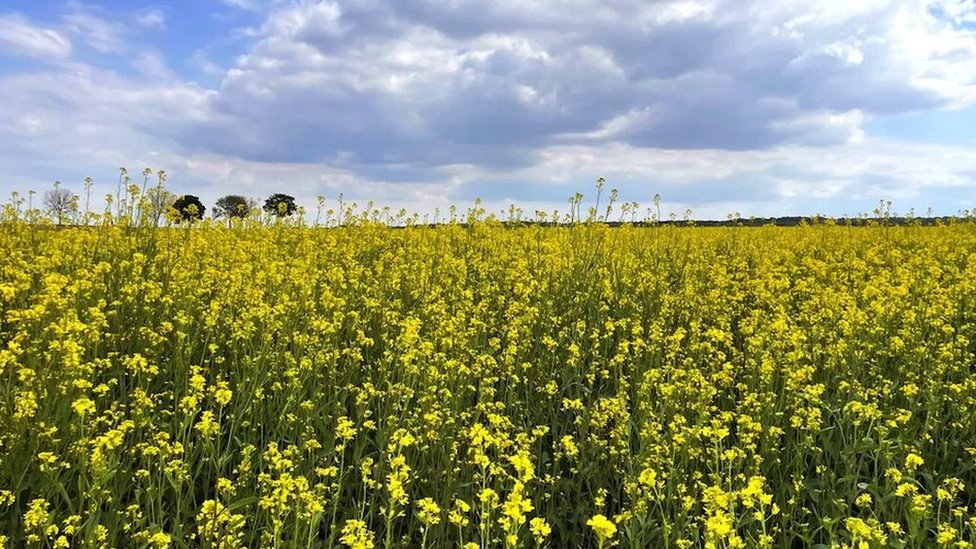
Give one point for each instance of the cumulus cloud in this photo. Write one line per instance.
(717, 104)
(783, 180)
(20, 37)
(439, 82)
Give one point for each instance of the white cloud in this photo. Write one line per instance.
(100, 33)
(789, 180)
(463, 76)
(960, 12)
(824, 127)
(153, 18)
(83, 116)
(253, 5)
(905, 165)
(19, 36)
(784, 180)
(202, 62)
(152, 64)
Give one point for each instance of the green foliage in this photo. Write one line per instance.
(189, 208)
(280, 205)
(232, 205)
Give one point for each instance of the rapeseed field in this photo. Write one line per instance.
(486, 385)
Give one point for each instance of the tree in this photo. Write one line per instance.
(189, 207)
(280, 205)
(60, 202)
(160, 201)
(232, 205)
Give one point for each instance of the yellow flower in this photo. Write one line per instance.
(648, 478)
(913, 461)
(523, 466)
(160, 540)
(37, 514)
(540, 529)
(356, 536)
(83, 406)
(345, 429)
(428, 511)
(207, 427)
(197, 382)
(946, 534)
(488, 497)
(863, 501)
(225, 487)
(222, 394)
(602, 527)
(458, 515)
(719, 525)
(569, 446)
(865, 532)
(71, 524)
(217, 524)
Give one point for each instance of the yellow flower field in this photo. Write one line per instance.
(484, 385)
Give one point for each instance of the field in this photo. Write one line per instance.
(488, 386)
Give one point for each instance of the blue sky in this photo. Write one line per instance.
(720, 106)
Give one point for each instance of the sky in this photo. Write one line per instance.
(719, 106)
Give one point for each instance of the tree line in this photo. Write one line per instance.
(152, 204)
(189, 207)
(63, 205)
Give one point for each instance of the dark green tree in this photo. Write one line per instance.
(232, 205)
(189, 207)
(280, 205)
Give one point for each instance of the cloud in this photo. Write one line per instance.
(434, 83)
(87, 23)
(202, 62)
(960, 12)
(718, 105)
(252, 5)
(853, 173)
(20, 37)
(152, 64)
(153, 18)
(787, 180)
(80, 117)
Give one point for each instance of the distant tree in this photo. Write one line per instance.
(232, 205)
(60, 202)
(189, 207)
(160, 200)
(280, 205)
